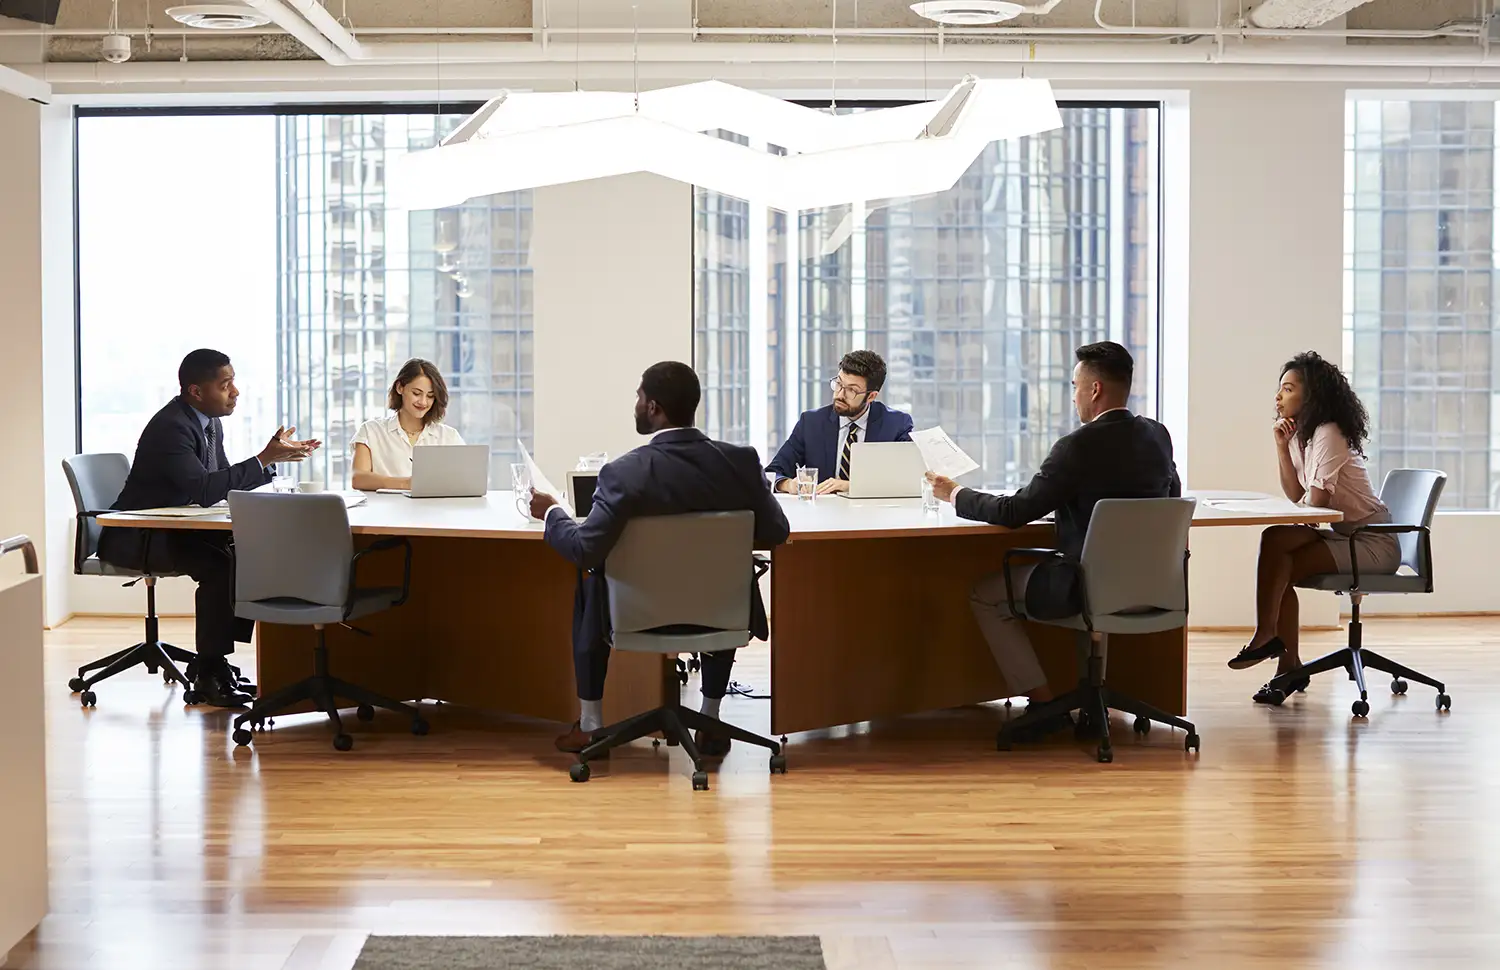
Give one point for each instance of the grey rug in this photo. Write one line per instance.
(591, 953)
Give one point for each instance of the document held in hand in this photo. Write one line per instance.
(539, 482)
(941, 455)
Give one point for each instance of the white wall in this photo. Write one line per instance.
(1265, 281)
(22, 502)
(612, 278)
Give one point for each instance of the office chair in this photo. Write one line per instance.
(1412, 496)
(96, 481)
(1134, 580)
(679, 584)
(295, 564)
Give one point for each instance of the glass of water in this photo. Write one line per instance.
(520, 484)
(930, 501)
(807, 484)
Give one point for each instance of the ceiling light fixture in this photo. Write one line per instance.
(530, 140)
(977, 13)
(218, 16)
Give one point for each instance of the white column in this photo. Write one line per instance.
(22, 487)
(612, 264)
(1266, 282)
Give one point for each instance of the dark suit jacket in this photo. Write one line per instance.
(814, 442)
(168, 470)
(678, 471)
(1117, 455)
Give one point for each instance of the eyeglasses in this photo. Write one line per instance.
(837, 386)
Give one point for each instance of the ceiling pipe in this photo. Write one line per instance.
(293, 23)
(326, 24)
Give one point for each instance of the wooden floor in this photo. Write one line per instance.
(1296, 839)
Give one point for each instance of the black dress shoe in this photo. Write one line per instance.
(1250, 656)
(220, 692)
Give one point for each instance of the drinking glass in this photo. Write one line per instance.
(930, 501)
(807, 484)
(520, 484)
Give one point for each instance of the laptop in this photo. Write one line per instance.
(885, 469)
(449, 471)
(581, 487)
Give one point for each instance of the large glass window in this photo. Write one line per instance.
(975, 297)
(271, 237)
(1419, 261)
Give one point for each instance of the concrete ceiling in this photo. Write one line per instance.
(388, 17)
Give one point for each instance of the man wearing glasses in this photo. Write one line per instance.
(824, 438)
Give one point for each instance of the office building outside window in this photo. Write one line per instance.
(304, 274)
(976, 297)
(1419, 326)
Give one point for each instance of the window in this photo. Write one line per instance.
(975, 297)
(314, 286)
(1419, 268)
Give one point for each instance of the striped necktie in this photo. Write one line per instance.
(211, 463)
(849, 442)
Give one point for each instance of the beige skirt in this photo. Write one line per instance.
(1376, 554)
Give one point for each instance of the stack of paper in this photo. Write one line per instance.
(539, 482)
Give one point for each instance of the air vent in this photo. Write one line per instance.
(218, 16)
(968, 13)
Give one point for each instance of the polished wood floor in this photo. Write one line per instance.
(1296, 839)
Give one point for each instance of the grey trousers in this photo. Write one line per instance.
(1005, 634)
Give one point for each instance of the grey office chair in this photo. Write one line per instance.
(1412, 496)
(96, 481)
(680, 584)
(1134, 580)
(295, 564)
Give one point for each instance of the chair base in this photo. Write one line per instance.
(151, 653)
(323, 690)
(1094, 702)
(676, 723)
(1354, 660)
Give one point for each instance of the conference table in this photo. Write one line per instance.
(869, 613)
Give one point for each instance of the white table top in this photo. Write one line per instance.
(496, 516)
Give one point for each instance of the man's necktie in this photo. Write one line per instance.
(849, 442)
(212, 461)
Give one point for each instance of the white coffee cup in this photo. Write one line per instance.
(313, 486)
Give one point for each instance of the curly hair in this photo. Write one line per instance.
(1327, 396)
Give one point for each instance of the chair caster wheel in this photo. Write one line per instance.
(242, 737)
(1444, 702)
(420, 727)
(579, 772)
(343, 742)
(778, 764)
(151, 668)
(1398, 686)
(694, 664)
(655, 743)
(1143, 725)
(166, 679)
(365, 712)
(191, 697)
(700, 781)
(77, 686)
(1360, 708)
(88, 699)
(1190, 743)
(1106, 754)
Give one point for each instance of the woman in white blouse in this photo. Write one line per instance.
(382, 448)
(1320, 431)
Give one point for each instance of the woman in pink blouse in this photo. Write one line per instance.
(1320, 431)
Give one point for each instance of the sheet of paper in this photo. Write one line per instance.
(540, 483)
(941, 455)
(177, 512)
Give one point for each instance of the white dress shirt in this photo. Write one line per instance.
(390, 449)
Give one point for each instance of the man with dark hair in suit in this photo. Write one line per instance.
(679, 470)
(180, 461)
(824, 437)
(1116, 454)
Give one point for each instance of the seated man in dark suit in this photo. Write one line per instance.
(1115, 454)
(180, 461)
(679, 470)
(822, 438)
